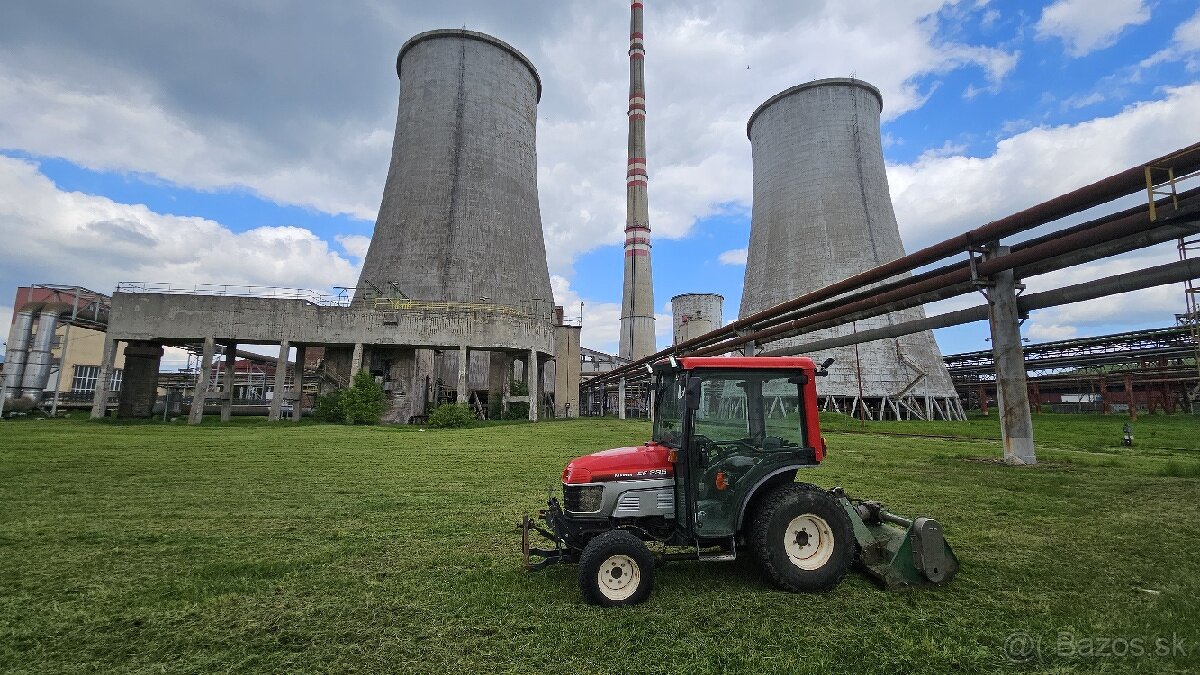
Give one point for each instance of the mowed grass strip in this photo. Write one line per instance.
(251, 547)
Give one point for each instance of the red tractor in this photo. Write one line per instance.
(718, 477)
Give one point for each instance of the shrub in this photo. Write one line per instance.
(328, 407)
(451, 416)
(517, 411)
(363, 403)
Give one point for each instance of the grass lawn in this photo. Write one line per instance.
(250, 547)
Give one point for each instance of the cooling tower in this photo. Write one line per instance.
(823, 212)
(694, 314)
(459, 221)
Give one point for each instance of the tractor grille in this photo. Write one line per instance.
(582, 498)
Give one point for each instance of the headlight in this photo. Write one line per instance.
(582, 498)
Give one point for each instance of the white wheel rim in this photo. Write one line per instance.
(808, 541)
(619, 577)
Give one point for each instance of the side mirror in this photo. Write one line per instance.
(824, 369)
(691, 393)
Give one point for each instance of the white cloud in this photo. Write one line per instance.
(318, 133)
(1085, 26)
(354, 244)
(735, 256)
(96, 242)
(1039, 332)
(1185, 43)
(940, 196)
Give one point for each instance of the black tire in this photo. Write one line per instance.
(822, 539)
(627, 567)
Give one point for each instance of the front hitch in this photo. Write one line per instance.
(561, 553)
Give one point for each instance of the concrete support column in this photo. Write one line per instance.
(1036, 392)
(533, 378)
(1012, 394)
(196, 416)
(227, 381)
(464, 385)
(298, 383)
(983, 406)
(1103, 395)
(280, 381)
(621, 399)
(139, 383)
(100, 398)
(1129, 397)
(356, 361)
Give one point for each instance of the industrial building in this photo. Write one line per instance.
(454, 296)
(694, 314)
(55, 347)
(822, 213)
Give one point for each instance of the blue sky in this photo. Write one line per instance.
(248, 142)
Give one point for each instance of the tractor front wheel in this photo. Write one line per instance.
(616, 569)
(803, 539)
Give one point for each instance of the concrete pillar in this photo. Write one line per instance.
(1129, 397)
(983, 400)
(356, 361)
(464, 366)
(567, 369)
(196, 416)
(500, 367)
(281, 365)
(621, 398)
(533, 378)
(1103, 395)
(100, 399)
(139, 382)
(298, 383)
(227, 381)
(1036, 392)
(1012, 395)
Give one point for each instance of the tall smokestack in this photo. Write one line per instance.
(637, 297)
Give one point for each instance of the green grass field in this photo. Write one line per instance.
(256, 548)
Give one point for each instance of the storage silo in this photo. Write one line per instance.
(823, 212)
(694, 314)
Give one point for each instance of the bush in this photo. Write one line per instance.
(451, 416)
(363, 403)
(328, 407)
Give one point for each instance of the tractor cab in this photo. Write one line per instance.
(733, 424)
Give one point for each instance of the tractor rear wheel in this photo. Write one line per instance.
(616, 569)
(802, 538)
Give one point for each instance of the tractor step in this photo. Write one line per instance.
(718, 556)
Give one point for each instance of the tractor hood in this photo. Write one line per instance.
(633, 463)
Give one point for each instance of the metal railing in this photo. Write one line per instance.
(342, 299)
(407, 304)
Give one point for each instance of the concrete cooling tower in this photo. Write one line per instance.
(694, 314)
(460, 220)
(459, 228)
(822, 213)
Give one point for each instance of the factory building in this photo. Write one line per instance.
(823, 212)
(454, 299)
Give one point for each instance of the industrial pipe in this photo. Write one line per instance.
(1160, 275)
(1186, 160)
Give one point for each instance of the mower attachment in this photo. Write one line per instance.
(898, 552)
(559, 554)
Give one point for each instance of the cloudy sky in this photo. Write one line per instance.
(247, 141)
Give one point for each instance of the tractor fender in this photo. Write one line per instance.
(780, 476)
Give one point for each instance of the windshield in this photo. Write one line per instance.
(759, 409)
